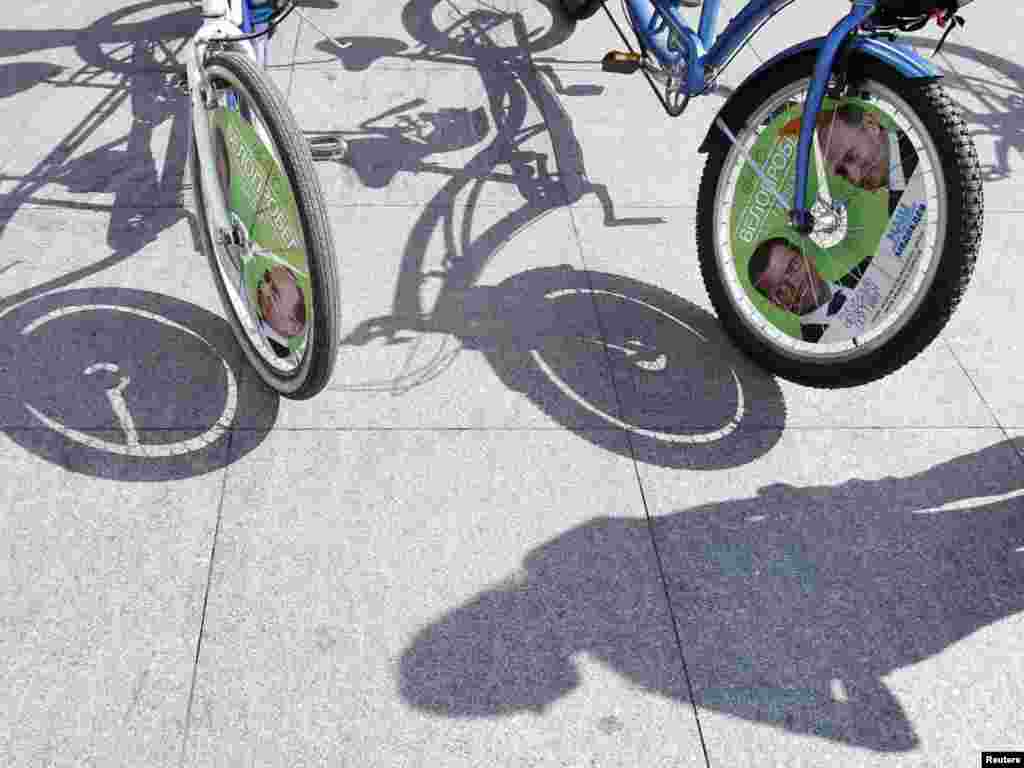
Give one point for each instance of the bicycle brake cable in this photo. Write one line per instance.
(949, 22)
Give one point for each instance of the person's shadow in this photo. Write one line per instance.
(791, 606)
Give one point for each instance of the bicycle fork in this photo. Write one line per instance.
(800, 215)
(831, 50)
(201, 101)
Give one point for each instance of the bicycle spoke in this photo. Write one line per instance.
(769, 184)
(282, 261)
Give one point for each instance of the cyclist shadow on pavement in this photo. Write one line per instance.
(792, 606)
(598, 353)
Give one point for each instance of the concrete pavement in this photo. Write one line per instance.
(471, 550)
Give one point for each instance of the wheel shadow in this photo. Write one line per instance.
(792, 606)
(603, 355)
(128, 385)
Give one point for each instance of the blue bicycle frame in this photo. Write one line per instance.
(252, 17)
(255, 20)
(704, 55)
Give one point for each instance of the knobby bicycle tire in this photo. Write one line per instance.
(945, 126)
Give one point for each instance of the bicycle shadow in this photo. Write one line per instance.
(579, 343)
(512, 83)
(145, 197)
(792, 606)
(21, 76)
(377, 153)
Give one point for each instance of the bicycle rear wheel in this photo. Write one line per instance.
(895, 186)
(276, 274)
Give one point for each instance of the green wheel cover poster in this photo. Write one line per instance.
(757, 217)
(260, 198)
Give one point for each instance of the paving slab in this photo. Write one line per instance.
(110, 502)
(399, 598)
(102, 597)
(981, 334)
(829, 594)
(46, 247)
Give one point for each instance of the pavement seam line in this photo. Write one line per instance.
(538, 76)
(206, 597)
(988, 406)
(649, 519)
(639, 482)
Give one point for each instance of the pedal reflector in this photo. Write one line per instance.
(621, 61)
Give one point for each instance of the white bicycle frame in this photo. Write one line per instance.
(222, 20)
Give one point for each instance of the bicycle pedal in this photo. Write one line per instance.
(621, 62)
(328, 147)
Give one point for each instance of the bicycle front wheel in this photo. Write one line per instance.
(276, 271)
(895, 189)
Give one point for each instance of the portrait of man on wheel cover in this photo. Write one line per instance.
(781, 273)
(857, 147)
(280, 302)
